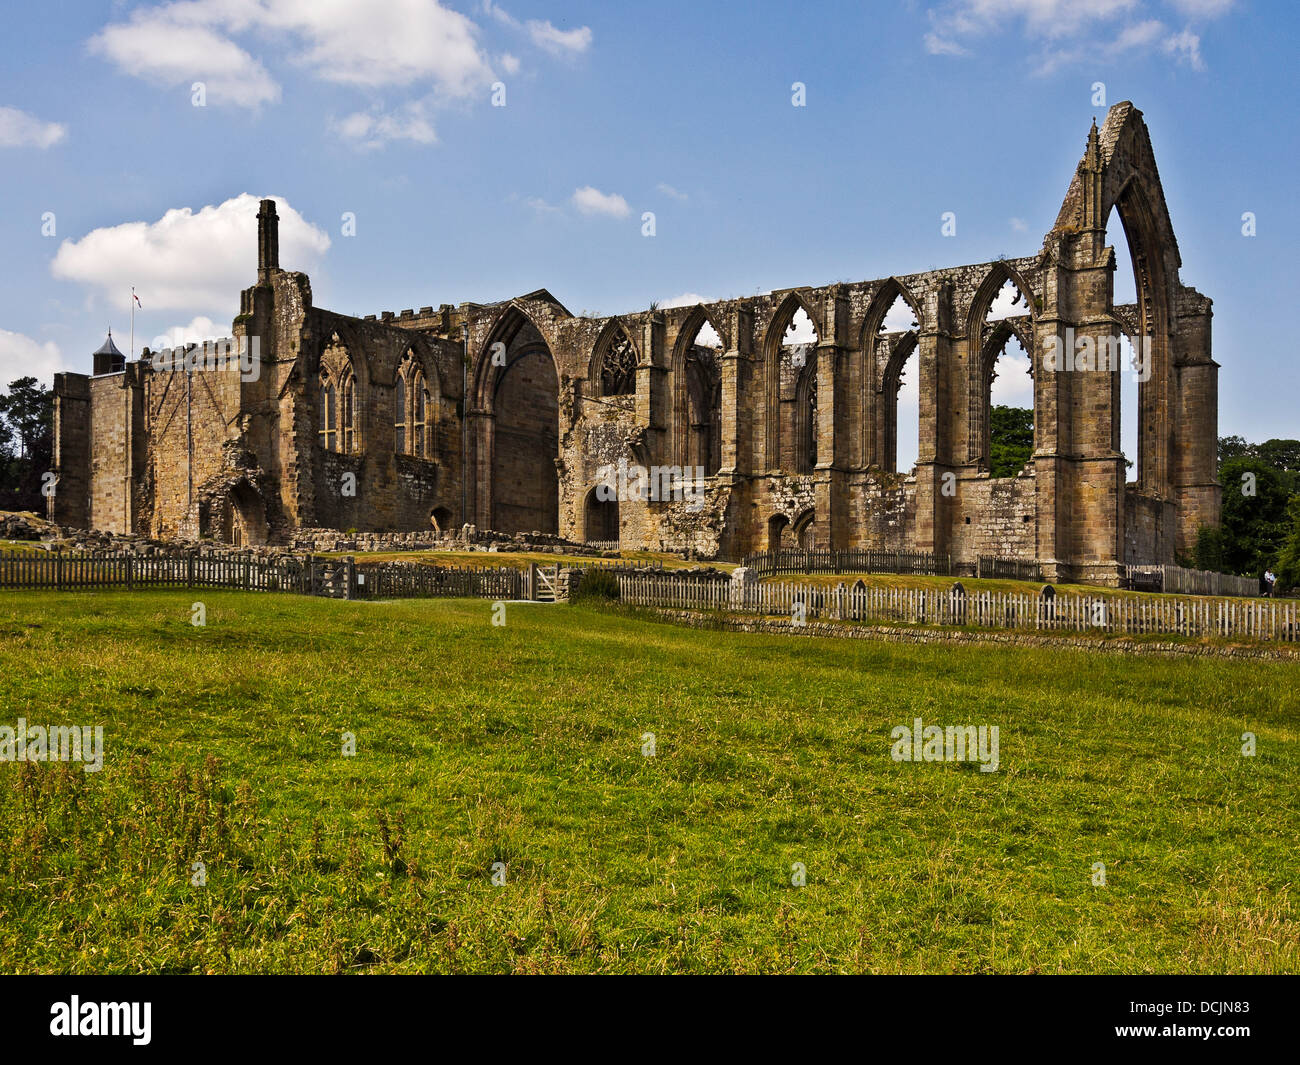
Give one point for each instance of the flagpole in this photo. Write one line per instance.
(130, 351)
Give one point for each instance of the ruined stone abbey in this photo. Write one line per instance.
(504, 415)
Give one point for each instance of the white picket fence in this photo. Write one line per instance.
(1128, 615)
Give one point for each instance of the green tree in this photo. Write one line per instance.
(1234, 447)
(26, 443)
(1011, 440)
(1284, 457)
(1288, 562)
(1254, 515)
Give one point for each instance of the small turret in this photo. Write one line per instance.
(108, 359)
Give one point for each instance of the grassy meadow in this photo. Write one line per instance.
(520, 747)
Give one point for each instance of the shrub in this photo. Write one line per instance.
(597, 584)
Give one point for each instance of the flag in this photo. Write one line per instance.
(137, 299)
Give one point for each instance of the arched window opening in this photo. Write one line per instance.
(1125, 293)
(618, 367)
(399, 415)
(328, 416)
(349, 415)
(1007, 414)
(421, 413)
(896, 344)
(798, 394)
(697, 402)
(806, 419)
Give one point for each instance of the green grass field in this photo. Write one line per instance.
(522, 745)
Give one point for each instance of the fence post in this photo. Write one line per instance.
(350, 584)
(189, 569)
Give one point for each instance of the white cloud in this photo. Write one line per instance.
(1069, 32)
(399, 42)
(1013, 385)
(199, 329)
(1202, 8)
(192, 261)
(544, 34)
(936, 45)
(668, 190)
(21, 130)
(559, 42)
(1019, 225)
(800, 330)
(1186, 47)
(589, 200)
(21, 356)
(899, 318)
(171, 53)
(686, 299)
(394, 43)
(1008, 303)
(540, 205)
(1139, 35)
(509, 63)
(374, 129)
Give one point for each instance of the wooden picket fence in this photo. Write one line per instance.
(824, 560)
(1051, 612)
(1008, 569)
(102, 570)
(662, 589)
(406, 580)
(339, 578)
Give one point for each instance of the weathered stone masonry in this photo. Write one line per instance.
(504, 414)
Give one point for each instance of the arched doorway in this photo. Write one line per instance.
(600, 519)
(247, 516)
(776, 527)
(805, 530)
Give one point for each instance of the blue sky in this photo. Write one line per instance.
(980, 107)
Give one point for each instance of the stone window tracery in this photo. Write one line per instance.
(618, 369)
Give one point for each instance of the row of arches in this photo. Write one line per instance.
(878, 385)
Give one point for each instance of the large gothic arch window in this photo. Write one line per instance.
(338, 400)
(1004, 426)
(791, 353)
(698, 403)
(412, 409)
(1125, 290)
(894, 347)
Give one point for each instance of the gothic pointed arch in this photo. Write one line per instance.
(876, 366)
(339, 398)
(776, 435)
(614, 360)
(514, 430)
(696, 377)
(986, 341)
(414, 406)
